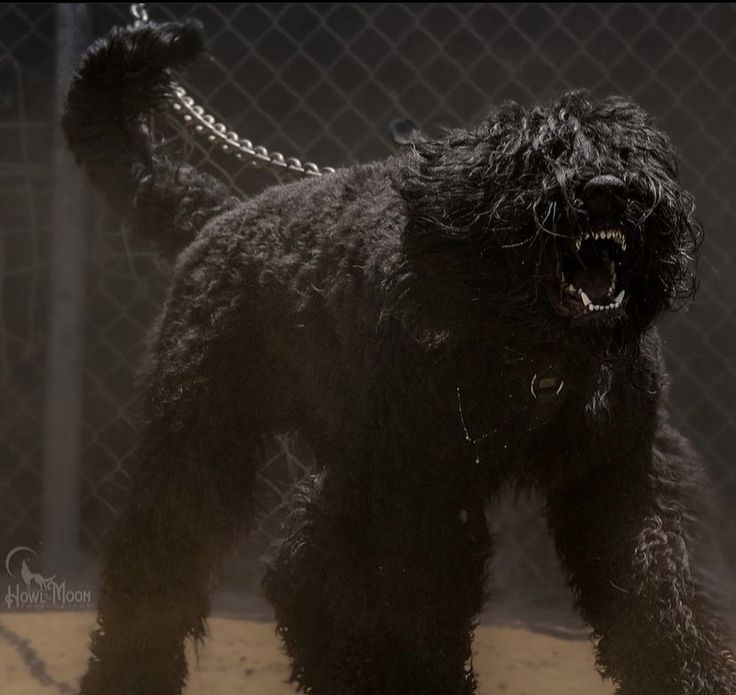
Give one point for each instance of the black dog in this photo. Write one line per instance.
(473, 312)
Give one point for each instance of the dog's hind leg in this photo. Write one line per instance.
(190, 493)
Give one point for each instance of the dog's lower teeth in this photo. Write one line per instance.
(585, 299)
(615, 304)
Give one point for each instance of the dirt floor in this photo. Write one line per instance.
(44, 653)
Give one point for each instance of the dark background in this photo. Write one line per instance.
(322, 82)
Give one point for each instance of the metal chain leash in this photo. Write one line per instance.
(205, 125)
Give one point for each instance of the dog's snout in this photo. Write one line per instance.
(605, 195)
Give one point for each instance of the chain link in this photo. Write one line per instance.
(230, 143)
(139, 12)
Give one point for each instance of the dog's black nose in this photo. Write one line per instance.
(605, 195)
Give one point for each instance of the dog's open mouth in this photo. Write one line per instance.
(590, 272)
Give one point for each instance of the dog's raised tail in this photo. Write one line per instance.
(120, 81)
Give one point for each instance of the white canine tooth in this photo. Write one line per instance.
(578, 244)
(585, 299)
(620, 297)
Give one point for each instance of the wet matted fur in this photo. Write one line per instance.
(473, 312)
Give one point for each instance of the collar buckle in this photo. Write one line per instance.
(548, 392)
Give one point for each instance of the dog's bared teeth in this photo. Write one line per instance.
(615, 304)
(614, 235)
(585, 299)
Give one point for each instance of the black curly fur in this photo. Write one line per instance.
(395, 315)
(122, 80)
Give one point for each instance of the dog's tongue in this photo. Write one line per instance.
(593, 280)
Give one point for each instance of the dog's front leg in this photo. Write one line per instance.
(625, 532)
(376, 587)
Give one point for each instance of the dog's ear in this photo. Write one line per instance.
(405, 132)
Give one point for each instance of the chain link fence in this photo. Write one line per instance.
(322, 82)
(26, 67)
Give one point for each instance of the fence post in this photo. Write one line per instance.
(63, 405)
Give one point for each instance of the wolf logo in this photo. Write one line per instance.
(30, 577)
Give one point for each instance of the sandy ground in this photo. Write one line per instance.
(44, 654)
